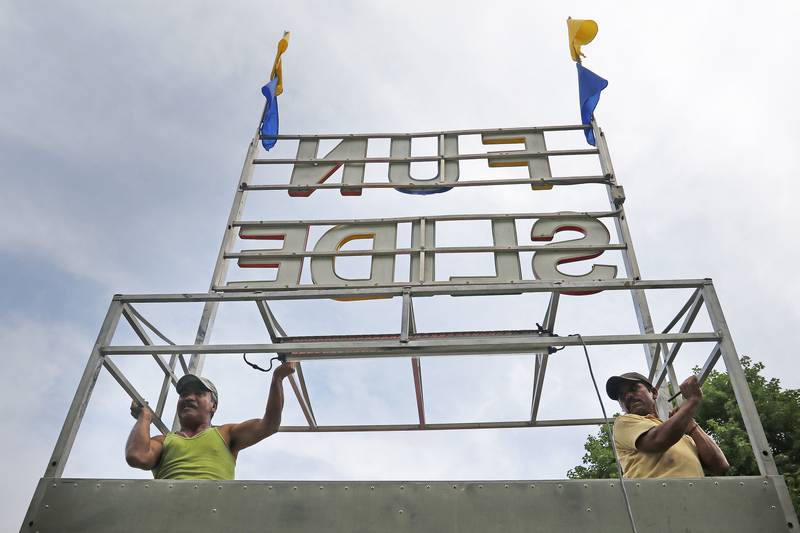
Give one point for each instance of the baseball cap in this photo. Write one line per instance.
(615, 382)
(191, 379)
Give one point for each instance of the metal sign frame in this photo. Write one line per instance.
(661, 349)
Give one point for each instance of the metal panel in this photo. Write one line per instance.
(730, 505)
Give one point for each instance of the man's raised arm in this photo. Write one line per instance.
(142, 451)
(252, 431)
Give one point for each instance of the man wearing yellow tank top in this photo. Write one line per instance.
(200, 450)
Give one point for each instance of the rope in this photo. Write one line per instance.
(610, 434)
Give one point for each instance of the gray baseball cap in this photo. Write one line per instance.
(615, 382)
(191, 379)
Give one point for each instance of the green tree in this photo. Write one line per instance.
(779, 410)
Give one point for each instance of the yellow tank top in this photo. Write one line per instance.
(204, 456)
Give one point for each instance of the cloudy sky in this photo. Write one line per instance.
(122, 134)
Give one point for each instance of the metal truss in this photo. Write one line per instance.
(406, 342)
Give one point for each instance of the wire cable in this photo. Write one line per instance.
(256, 367)
(610, 434)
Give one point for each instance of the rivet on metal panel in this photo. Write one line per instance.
(480, 486)
(507, 485)
(321, 487)
(639, 485)
(213, 510)
(171, 486)
(456, 486)
(219, 487)
(270, 487)
(145, 486)
(690, 484)
(294, 488)
(772, 507)
(55, 485)
(585, 486)
(611, 485)
(372, 487)
(195, 486)
(663, 484)
(741, 483)
(588, 509)
(402, 487)
(400, 511)
(76, 485)
(244, 487)
(121, 485)
(716, 483)
(429, 487)
(765, 483)
(533, 485)
(560, 486)
(346, 487)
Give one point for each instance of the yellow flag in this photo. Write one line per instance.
(283, 44)
(581, 32)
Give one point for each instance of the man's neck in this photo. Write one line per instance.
(190, 430)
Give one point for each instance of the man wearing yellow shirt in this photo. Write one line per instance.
(649, 447)
(200, 450)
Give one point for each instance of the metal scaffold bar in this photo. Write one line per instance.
(396, 290)
(446, 426)
(696, 304)
(752, 423)
(81, 399)
(616, 198)
(126, 385)
(558, 180)
(472, 345)
(276, 334)
(540, 364)
(474, 131)
(513, 155)
(440, 250)
(432, 218)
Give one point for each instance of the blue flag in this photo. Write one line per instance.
(269, 128)
(589, 87)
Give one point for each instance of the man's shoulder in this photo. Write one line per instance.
(629, 419)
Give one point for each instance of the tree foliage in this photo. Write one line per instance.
(779, 410)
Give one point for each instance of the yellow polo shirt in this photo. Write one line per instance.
(681, 460)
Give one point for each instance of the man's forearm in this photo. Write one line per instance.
(711, 456)
(272, 415)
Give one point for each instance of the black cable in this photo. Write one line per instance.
(256, 367)
(610, 434)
